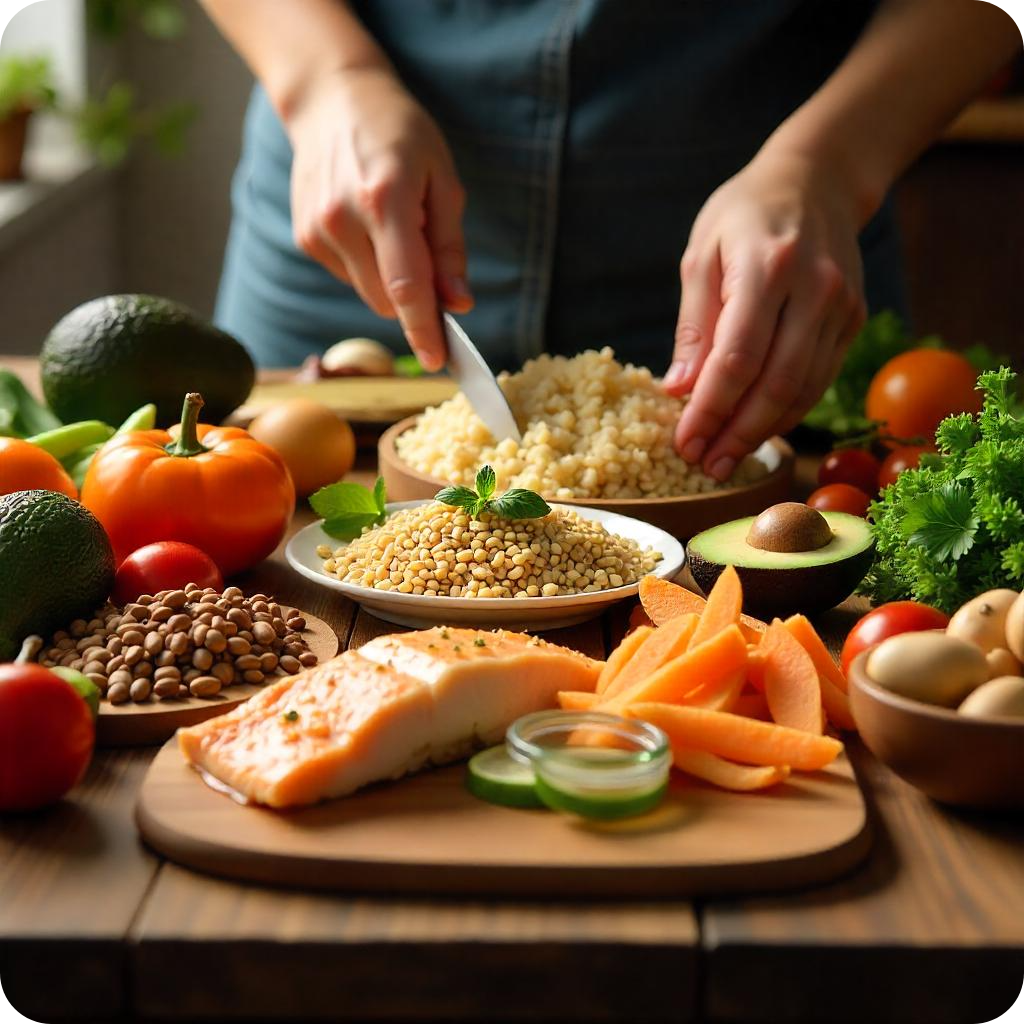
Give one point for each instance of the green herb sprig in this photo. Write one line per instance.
(347, 507)
(954, 527)
(515, 503)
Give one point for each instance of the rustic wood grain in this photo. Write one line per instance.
(72, 878)
(252, 952)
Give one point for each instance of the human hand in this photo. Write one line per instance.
(376, 200)
(772, 297)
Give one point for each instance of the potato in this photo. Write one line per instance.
(931, 667)
(317, 446)
(982, 621)
(1002, 663)
(1014, 628)
(998, 698)
(361, 357)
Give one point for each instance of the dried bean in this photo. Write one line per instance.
(297, 623)
(307, 659)
(247, 662)
(238, 646)
(199, 632)
(178, 643)
(78, 628)
(167, 672)
(202, 658)
(133, 637)
(154, 643)
(253, 677)
(120, 676)
(115, 663)
(180, 623)
(224, 671)
(114, 644)
(140, 689)
(165, 658)
(263, 632)
(92, 667)
(204, 686)
(166, 687)
(268, 661)
(133, 655)
(175, 599)
(215, 641)
(290, 664)
(144, 668)
(99, 680)
(89, 641)
(118, 693)
(240, 617)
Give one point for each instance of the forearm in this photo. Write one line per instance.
(293, 46)
(918, 63)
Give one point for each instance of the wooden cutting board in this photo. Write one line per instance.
(153, 721)
(427, 834)
(370, 400)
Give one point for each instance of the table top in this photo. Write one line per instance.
(94, 926)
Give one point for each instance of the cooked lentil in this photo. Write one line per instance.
(439, 551)
(592, 428)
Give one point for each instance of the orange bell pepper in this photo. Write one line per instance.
(24, 467)
(215, 487)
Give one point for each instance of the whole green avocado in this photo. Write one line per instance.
(56, 565)
(110, 355)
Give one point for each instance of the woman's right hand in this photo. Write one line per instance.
(376, 199)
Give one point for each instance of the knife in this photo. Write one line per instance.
(470, 371)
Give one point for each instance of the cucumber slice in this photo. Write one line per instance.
(495, 777)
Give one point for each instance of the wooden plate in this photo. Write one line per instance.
(374, 400)
(681, 516)
(154, 720)
(427, 834)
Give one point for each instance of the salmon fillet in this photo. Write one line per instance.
(398, 703)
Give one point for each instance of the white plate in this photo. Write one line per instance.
(531, 613)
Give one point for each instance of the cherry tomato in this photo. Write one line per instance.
(888, 620)
(165, 565)
(840, 498)
(853, 466)
(46, 737)
(900, 459)
(916, 390)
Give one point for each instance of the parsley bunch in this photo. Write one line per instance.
(954, 527)
(515, 503)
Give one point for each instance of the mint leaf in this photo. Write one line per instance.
(942, 522)
(343, 498)
(350, 525)
(519, 503)
(457, 497)
(485, 482)
(380, 496)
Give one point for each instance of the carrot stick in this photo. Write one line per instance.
(801, 628)
(659, 647)
(712, 663)
(725, 604)
(739, 777)
(737, 738)
(620, 656)
(577, 700)
(791, 681)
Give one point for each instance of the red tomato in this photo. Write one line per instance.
(852, 466)
(900, 459)
(888, 620)
(840, 498)
(915, 391)
(46, 737)
(165, 565)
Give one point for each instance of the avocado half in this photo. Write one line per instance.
(781, 583)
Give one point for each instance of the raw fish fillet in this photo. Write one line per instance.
(398, 703)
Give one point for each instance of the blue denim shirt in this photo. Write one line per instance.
(588, 133)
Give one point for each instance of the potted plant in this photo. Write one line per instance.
(26, 85)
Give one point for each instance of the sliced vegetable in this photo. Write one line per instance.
(807, 636)
(659, 647)
(622, 655)
(791, 681)
(577, 700)
(144, 418)
(739, 739)
(493, 775)
(727, 774)
(724, 607)
(663, 600)
(607, 806)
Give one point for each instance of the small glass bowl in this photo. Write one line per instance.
(591, 763)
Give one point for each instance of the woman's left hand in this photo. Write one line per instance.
(772, 296)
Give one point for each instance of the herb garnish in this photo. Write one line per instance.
(479, 642)
(347, 507)
(954, 527)
(515, 503)
(291, 716)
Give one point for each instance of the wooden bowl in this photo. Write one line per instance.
(967, 762)
(682, 517)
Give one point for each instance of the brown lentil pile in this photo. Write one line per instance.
(181, 643)
(439, 551)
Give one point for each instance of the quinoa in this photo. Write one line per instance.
(440, 551)
(592, 428)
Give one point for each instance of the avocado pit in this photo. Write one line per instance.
(788, 527)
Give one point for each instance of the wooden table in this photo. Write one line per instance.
(93, 926)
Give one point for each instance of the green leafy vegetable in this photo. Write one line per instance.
(841, 408)
(515, 503)
(347, 507)
(954, 527)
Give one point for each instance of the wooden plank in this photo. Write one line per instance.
(73, 877)
(930, 930)
(255, 952)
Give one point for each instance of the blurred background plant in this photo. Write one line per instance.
(111, 120)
